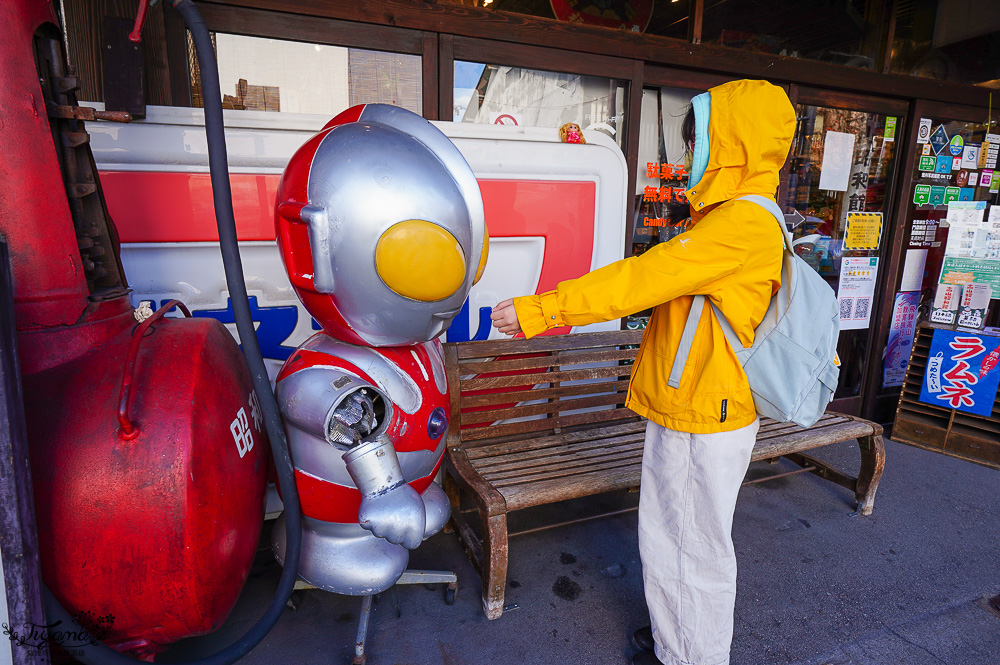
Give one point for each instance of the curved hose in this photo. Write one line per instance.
(97, 653)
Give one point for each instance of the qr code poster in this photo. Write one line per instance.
(857, 290)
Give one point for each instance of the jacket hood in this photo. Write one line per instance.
(750, 129)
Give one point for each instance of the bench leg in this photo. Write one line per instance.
(454, 494)
(494, 569)
(872, 464)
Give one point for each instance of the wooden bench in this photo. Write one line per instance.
(538, 421)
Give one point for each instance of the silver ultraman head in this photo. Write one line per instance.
(392, 218)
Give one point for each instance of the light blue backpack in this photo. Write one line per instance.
(791, 366)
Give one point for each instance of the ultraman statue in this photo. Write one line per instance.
(381, 228)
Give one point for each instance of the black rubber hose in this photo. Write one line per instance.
(97, 653)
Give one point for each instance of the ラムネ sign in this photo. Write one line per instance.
(962, 372)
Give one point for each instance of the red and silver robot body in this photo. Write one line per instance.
(381, 228)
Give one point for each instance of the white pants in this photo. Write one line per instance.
(686, 504)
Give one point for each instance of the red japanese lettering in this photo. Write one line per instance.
(957, 395)
(960, 373)
(969, 347)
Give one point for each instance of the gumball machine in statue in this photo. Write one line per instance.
(381, 228)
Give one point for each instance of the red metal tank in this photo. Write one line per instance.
(158, 530)
(149, 499)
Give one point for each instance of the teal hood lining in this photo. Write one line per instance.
(702, 105)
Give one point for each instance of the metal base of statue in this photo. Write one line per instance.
(408, 577)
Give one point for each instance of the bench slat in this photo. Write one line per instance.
(472, 434)
(825, 436)
(500, 347)
(544, 408)
(542, 378)
(550, 491)
(476, 448)
(485, 455)
(468, 401)
(550, 359)
(769, 427)
(569, 467)
(508, 465)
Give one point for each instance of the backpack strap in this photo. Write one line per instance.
(687, 337)
(698, 303)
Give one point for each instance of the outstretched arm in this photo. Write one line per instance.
(691, 263)
(505, 318)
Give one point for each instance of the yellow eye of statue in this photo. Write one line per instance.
(486, 253)
(420, 260)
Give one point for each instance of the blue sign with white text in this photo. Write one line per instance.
(939, 139)
(962, 372)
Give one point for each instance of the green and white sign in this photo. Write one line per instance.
(961, 270)
(951, 194)
(922, 193)
(927, 162)
(957, 144)
(890, 128)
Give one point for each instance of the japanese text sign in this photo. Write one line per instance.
(962, 372)
(897, 350)
(864, 230)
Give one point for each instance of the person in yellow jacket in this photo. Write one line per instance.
(700, 435)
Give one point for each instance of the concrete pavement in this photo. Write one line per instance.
(818, 585)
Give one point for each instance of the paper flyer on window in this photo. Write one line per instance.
(900, 342)
(857, 290)
(838, 151)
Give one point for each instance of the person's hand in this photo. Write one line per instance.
(505, 318)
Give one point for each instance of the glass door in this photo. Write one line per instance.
(837, 193)
(951, 236)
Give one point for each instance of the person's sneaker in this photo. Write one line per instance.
(646, 658)
(643, 638)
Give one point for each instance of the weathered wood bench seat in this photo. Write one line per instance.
(538, 421)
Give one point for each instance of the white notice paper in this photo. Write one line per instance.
(838, 153)
(966, 235)
(857, 288)
(913, 270)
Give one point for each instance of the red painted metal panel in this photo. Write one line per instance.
(49, 284)
(158, 206)
(561, 211)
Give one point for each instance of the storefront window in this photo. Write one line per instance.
(662, 169)
(502, 95)
(841, 163)
(258, 74)
(842, 33)
(951, 40)
(662, 173)
(953, 233)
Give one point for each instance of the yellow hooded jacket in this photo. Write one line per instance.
(731, 254)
